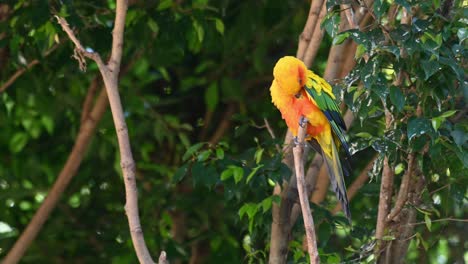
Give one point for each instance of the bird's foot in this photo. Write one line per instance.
(303, 121)
(296, 140)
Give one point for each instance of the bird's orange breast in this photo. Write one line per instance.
(294, 108)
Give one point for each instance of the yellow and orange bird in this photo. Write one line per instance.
(296, 92)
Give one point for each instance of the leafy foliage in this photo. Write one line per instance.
(195, 95)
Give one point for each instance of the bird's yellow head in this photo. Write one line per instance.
(290, 74)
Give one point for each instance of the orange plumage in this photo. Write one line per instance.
(297, 91)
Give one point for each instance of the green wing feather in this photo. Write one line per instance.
(320, 92)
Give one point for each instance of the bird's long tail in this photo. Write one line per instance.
(335, 172)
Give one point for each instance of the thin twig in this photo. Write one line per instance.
(298, 151)
(21, 71)
(80, 52)
(448, 219)
(272, 133)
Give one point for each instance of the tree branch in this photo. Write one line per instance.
(110, 77)
(404, 189)
(224, 125)
(307, 33)
(313, 46)
(21, 71)
(88, 102)
(298, 152)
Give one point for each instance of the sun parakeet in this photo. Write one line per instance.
(297, 91)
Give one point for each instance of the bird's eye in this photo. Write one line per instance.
(298, 95)
(299, 80)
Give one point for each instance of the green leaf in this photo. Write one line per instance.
(180, 173)
(397, 98)
(211, 96)
(399, 168)
(418, 126)
(258, 155)
(204, 155)
(364, 135)
(238, 173)
(459, 136)
(204, 175)
(226, 174)
(438, 121)
(430, 68)
(331, 23)
(219, 25)
(388, 238)
(448, 113)
(252, 173)
(340, 38)
(380, 7)
(360, 50)
(153, 25)
(220, 153)
(266, 204)
(428, 222)
(462, 34)
(190, 151)
(18, 141)
(164, 4)
(198, 29)
(48, 123)
(247, 243)
(250, 209)
(405, 4)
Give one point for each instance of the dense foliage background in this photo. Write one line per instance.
(194, 86)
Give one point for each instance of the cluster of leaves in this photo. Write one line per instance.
(188, 63)
(409, 93)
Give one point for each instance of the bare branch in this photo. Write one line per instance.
(306, 35)
(448, 219)
(110, 77)
(88, 102)
(298, 151)
(349, 13)
(224, 125)
(80, 52)
(118, 36)
(313, 46)
(17, 74)
(272, 134)
(21, 71)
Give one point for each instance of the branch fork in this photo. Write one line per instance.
(110, 75)
(298, 151)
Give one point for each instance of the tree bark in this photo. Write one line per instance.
(110, 74)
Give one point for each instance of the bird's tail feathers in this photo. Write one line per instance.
(335, 172)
